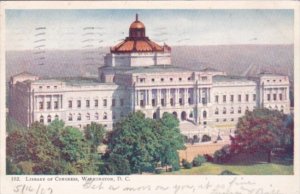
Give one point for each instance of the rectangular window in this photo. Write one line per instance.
(70, 103)
(122, 102)
(280, 96)
(274, 97)
(113, 102)
(204, 78)
(78, 103)
(217, 99)
(247, 97)
(142, 103)
(240, 98)
(180, 101)
(172, 102)
(48, 105)
(190, 100)
(231, 98)
(254, 97)
(55, 104)
(105, 103)
(87, 102)
(41, 105)
(162, 102)
(96, 103)
(224, 98)
(268, 97)
(153, 102)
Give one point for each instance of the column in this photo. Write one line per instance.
(208, 98)
(44, 102)
(158, 96)
(200, 95)
(61, 101)
(150, 97)
(137, 97)
(168, 97)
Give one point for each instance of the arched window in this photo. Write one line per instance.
(247, 108)
(56, 117)
(88, 116)
(70, 118)
(217, 111)
(154, 116)
(41, 119)
(96, 116)
(231, 110)
(204, 114)
(224, 110)
(49, 118)
(105, 116)
(281, 108)
(79, 117)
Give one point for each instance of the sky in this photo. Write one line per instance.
(88, 29)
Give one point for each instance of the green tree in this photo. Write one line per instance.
(170, 140)
(260, 131)
(95, 134)
(134, 139)
(116, 165)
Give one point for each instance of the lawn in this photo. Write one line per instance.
(244, 164)
(255, 169)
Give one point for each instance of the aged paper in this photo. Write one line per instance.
(206, 63)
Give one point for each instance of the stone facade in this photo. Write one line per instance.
(144, 79)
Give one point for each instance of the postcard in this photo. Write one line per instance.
(150, 97)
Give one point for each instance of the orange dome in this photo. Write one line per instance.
(137, 25)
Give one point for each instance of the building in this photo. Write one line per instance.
(138, 75)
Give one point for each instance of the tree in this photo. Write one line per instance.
(116, 165)
(170, 140)
(95, 134)
(134, 139)
(260, 131)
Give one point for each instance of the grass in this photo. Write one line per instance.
(256, 169)
(244, 164)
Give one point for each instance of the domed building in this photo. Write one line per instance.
(138, 75)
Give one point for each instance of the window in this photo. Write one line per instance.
(122, 102)
(142, 103)
(189, 78)
(231, 110)
(78, 103)
(79, 117)
(40, 87)
(88, 116)
(48, 87)
(161, 79)
(153, 80)
(190, 101)
(180, 79)
(153, 102)
(113, 102)
(56, 117)
(224, 120)
(180, 101)
(204, 78)
(247, 109)
(87, 102)
(254, 97)
(55, 87)
(224, 110)
(240, 98)
(171, 79)
(269, 97)
(142, 80)
(41, 105)
(70, 118)
(240, 110)
(217, 99)
(224, 98)
(247, 97)
(49, 119)
(217, 111)
(70, 103)
(231, 98)
(172, 102)
(55, 104)
(48, 105)
(274, 97)
(41, 119)
(162, 102)
(105, 116)
(96, 116)
(96, 103)
(105, 103)
(217, 120)
(113, 116)
(232, 119)
(204, 114)
(280, 96)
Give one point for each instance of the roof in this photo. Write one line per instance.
(24, 73)
(222, 78)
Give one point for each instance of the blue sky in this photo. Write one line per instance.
(71, 29)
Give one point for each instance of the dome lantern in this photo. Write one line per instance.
(137, 29)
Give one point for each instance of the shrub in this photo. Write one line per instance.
(199, 160)
(227, 172)
(206, 138)
(208, 158)
(116, 164)
(222, 155)
(186, 164)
